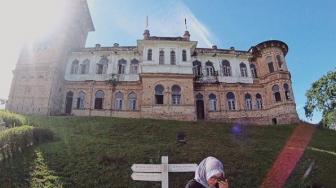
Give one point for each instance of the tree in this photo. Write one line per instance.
(322, 97)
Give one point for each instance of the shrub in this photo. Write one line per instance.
(12, 119)
(19, 138)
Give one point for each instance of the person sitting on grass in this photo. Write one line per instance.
(209, 174)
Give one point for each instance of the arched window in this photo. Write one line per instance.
(172, 58)
(132, 98)
(226, 68)
(210, 71)
(270, 64)
(161, 57)
(248, 101)
(159, 94)
(176, 94)
(279, 60)
(99, 99)
(197, 68)
(276, 93)
(134, 66)
(81, 100)
(184, 55)
(212, 102)
(243, 70)
(74, 67)
(102, 66)
(287, 91)
(259, 101)
(230, 97)
(121, 66)
(253, 71)
(119, 97)
(149, 54)
(85, 66)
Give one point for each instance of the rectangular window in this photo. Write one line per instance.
(176, 99)
(99, 69)
(270, 67)
(132, 104)
(118, 105)
(212, 105)
(99, 103)
(231, 105)
(159, 99)
(134, 69)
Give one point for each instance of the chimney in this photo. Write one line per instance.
(146, 34)
(186, 35)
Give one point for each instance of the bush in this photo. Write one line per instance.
(12, 119)
(19, 138)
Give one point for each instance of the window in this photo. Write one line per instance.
(132, 98)
(248, 101)
(149, 54)
(80, 100)
(102, 66)
(172, 58)
(226, 68)
(259, 101)
(176, 95)
(287, 91)
(121, 66)
(209, 68)
(270, 64)
(184, 55)
(161, 57)
(243, 70)
(197, 68)
(279, 60)
(253, 71)
(276, 93)
(212, 102)
(85, 67)
(159, 94)
(119, 97)
(99, 99)
(74, 67)
(230, 97)
(134, 66)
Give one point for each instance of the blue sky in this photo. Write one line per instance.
(308, 27)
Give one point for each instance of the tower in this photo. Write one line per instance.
(39, 74)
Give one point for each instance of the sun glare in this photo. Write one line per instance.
(41, 17)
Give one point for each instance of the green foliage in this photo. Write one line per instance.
(12, 119)
(99, 151)
(18, 139)
(322, 97)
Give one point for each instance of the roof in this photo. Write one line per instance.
(255, 50)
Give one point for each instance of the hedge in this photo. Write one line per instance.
(19, 138)
(12, 119)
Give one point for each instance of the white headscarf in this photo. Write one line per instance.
(208, 168)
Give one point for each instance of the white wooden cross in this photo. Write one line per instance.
(159, 172)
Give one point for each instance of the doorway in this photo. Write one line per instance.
(199, 106)
(68, 102)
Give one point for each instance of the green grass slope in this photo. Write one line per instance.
(98, 152)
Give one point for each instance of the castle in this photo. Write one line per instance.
(159, 77)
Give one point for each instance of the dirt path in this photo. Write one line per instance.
(289, 156)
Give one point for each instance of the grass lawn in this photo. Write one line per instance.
(98, 152)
